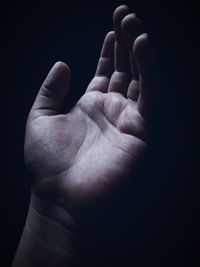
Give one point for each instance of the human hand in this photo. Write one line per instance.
(81, 156)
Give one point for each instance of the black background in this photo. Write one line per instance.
(37, 34)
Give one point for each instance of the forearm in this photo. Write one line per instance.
(47, 241)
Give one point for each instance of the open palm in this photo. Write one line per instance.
(82, 155)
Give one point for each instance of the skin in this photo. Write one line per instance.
(79, 158)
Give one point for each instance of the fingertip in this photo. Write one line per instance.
(142, 47)
(61, 66)
(58, 77)
(120, 8)
(129, 17)
(120, 12)
(110, 33)
(130, 21)
(141, 42)
(110, 36)
(143, 36)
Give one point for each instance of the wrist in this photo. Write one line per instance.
(51, 237)
(51, 225)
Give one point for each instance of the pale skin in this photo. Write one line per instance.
(79, 158)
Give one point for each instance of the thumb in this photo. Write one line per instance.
(52, 92)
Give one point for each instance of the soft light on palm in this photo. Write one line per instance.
(91, 148)
(84, 154)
